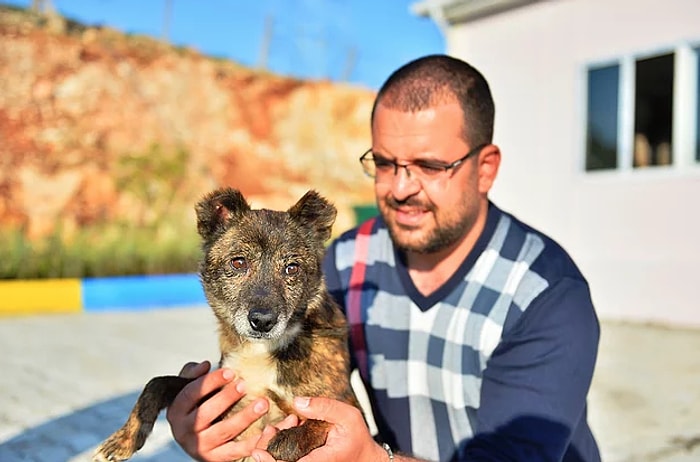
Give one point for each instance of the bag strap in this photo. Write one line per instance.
(354, 309)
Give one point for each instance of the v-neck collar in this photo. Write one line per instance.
(424, 302)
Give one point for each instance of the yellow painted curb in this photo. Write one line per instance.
(40, 296)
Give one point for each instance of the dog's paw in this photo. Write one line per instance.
(116, 448)
(289, 445)
(294, 443)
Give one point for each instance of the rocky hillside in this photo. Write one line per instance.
(97, 126)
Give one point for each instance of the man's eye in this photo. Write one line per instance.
(383, 163)
(239, 264)
(430, 168)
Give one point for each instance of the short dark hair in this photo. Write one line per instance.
(439, 79)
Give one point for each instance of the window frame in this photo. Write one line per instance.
(686, 109)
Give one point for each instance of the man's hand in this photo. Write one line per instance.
(349, 439)
(191, 417)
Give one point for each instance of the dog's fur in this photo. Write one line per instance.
(279, 328)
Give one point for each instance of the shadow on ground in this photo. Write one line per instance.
(74, 437)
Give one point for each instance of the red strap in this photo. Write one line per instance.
(354, 308)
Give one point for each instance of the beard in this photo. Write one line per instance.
(448, 228)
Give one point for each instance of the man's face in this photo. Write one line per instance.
(425, 214)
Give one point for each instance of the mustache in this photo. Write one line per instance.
(408, 202)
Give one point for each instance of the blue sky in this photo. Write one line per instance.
(360, 41)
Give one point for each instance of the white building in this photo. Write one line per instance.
(597, 120)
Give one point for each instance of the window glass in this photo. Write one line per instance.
(602, 127)
(653, 113)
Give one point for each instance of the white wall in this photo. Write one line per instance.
(634, 233)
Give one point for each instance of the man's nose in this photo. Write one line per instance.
(404, 184)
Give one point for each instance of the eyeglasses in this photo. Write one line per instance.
(383, 169)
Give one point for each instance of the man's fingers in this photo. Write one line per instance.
(220, 402)
(267, 434)
(223, 432)
(322, 454)
(288, 422)
(234, 424)
(348, 437)
(194, 392)
(193, 370)
(329, 410)
(262, 456)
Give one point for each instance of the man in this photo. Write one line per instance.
(477, 336)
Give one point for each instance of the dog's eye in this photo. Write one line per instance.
(239, 264)
(291, 269)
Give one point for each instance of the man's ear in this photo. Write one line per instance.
(489, 162)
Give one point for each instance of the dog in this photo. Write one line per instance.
(279, 328)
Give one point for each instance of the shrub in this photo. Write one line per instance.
(107, 250)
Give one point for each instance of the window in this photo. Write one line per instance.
(653, 111)
(644, 111)
(601, 139)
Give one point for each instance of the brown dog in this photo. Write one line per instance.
(279, 328)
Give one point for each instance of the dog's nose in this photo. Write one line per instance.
(262, 319)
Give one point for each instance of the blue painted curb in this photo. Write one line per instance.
(139, 292)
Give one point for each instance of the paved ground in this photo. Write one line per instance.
(67, 381)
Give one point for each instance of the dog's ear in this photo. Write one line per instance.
(216, 210)
(314, 212)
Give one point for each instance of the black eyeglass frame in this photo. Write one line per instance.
(435, 165)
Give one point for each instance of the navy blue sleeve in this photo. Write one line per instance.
(534, 389)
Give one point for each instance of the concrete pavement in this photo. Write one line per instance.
(68, 381)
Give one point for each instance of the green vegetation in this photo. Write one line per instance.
(108, 250)
(156, 179)
(158, 238)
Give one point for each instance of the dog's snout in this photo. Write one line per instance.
(262, 319)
